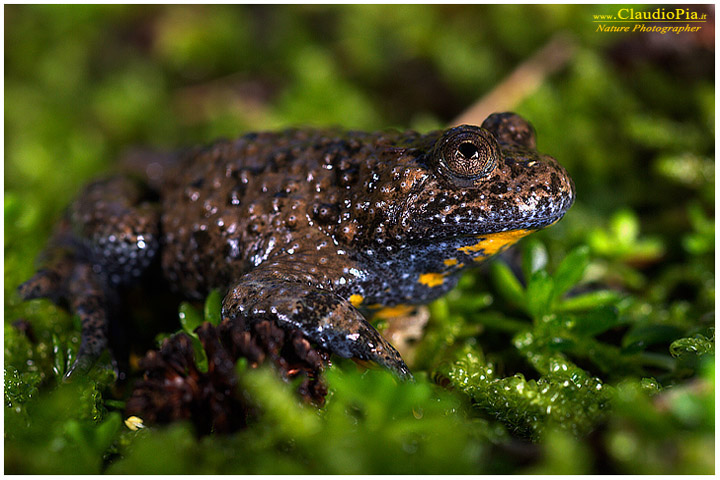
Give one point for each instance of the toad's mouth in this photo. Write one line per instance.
(503, 228)
(532, 224)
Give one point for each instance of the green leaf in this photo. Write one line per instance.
(560, 343)
(539, 294)
(501, 322)
(571, 270)
(640, 338)
(698, 345)
(702, 239)
(563, 455)
(589, 300)
(190, 318)
(596, 321)
(213, 307)
(105, 432)
(507, 283)
(535, 257)
(200, 356)
(625, 227)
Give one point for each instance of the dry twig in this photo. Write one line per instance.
(523, 81)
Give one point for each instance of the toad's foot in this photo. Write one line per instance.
(75, 283)
(323, 316)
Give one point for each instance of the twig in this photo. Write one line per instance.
(523, 81)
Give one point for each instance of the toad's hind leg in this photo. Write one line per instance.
(322, 316)
(107, 239)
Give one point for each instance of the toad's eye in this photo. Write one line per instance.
(468, 152)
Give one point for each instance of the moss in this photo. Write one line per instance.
(588, 348)
(565, 397)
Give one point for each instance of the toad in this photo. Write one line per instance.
(306, 228)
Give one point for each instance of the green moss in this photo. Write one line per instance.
(564, 397)
(371, 424)
(698, 345)
(590, 345)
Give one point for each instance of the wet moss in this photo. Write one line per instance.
(588, 348)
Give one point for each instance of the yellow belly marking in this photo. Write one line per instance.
(432, 279)
(492, 243)
(356, 300)
(394, 311)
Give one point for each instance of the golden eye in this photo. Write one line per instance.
(468, 152)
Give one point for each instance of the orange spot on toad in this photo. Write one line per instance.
(394, 311)
(492, 243)
(431, 279)
(356, 299)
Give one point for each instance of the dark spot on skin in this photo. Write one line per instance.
(202, 238)
(499, 188)
(554, 183)
(254, 228)
(325, 213)
(347, 173)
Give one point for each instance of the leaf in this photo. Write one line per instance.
(190, 318)
(535, 257)
(200, 356)
(213, 307)
(596, 321)
(507, 283)
(571, 270)
(698, 345)
(497, 321)
(105, 432)
(539, 294)
(588, 300)
(625, 227)
(642, 337)
(702, 239)
(560, 343)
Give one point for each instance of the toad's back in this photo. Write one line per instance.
(229, 207)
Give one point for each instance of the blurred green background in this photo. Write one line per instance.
(589, 348)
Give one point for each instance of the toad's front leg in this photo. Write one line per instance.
(323, 316)
(108, 238)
